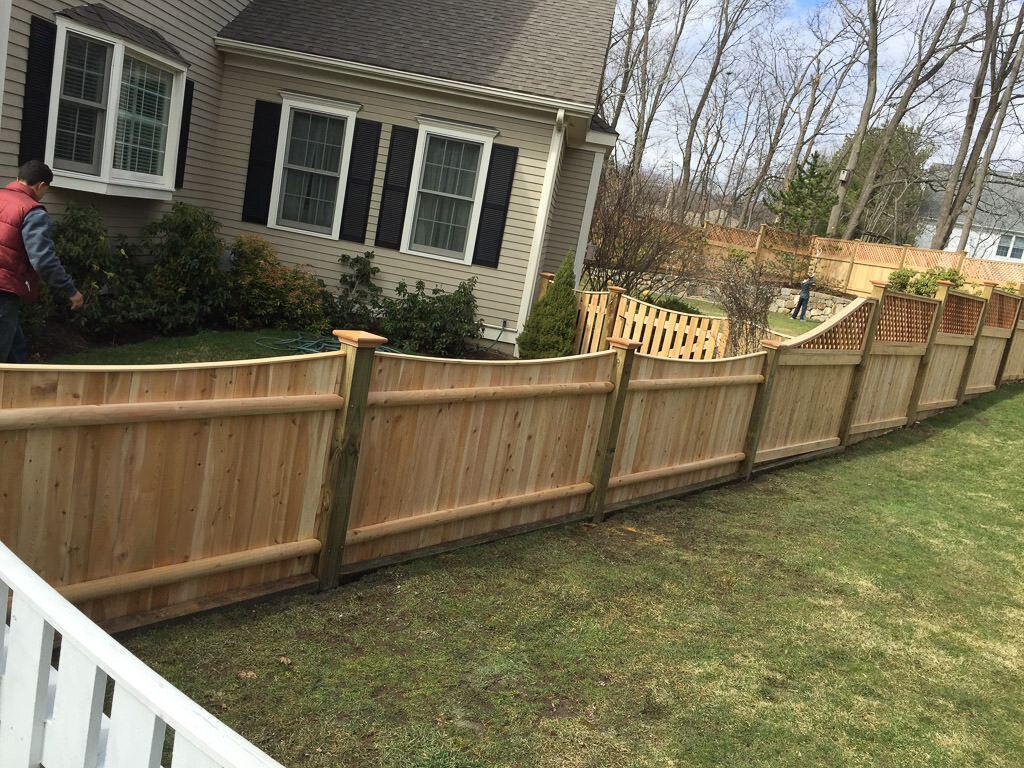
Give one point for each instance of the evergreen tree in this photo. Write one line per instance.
(803, 207)
(550, 329)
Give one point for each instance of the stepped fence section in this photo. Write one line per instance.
(143, 493)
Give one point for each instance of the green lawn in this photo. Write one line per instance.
(778, 321)
(863, 610)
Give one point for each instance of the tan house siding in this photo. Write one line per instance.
(567, 212)
(188, 25)
(498, 291)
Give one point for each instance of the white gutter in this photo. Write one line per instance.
(547, 193)
(339, 66)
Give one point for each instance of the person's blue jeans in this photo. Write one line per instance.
(801, 307)
(13, 348)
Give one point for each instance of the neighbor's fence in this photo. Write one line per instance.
(53, 715)
(602, 315)
(151, 492)
(852, 265)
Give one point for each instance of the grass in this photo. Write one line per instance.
(863, 610)
(778, 321)
(205, 346)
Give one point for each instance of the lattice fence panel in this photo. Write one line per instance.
(1000, 272)
(832, 248)
(738, 238)
(926, 258)
(1002, 310)
(905, 319)
(877, 253)
(780, 239)
(960, 315)
(848, 333)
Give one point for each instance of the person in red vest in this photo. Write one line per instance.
(26, 253)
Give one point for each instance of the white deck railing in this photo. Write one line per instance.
(55, 716)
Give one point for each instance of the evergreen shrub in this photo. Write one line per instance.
(550, 329)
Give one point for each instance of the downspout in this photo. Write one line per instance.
(588, 215)
(540, 229)
(5, 33)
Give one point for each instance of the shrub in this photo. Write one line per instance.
(923, 283)
(358, 304)
(435, 323)
(550, 329)
(673, 303)
(746, 289)
(264, 293)
(186, 286)
(105, 275)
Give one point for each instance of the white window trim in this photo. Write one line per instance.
(460, 132)
(111, 181)
(303, 103)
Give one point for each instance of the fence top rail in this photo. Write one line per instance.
(912, 297)
(706, 363)
(47, 368)
(813, 333)
(635, 300)
(489, 363)
(202, 730)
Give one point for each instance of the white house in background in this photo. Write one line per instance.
(998, 228)
(453, 139)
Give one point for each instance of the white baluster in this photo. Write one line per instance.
(136, 734)
(72, 737)
(188, 755)
(23, 696)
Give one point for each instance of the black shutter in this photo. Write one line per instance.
(494, 210)
(259, 179)
(397, 179)
(361, 167)
(186, 124)
(35, 112)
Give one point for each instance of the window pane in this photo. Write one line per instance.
(308, 198)
(450, 166)
(142, 118)
(85, 70)
(442, 223)
(1003, 249)
(76, 135)
(315, 142)
(1018, 248)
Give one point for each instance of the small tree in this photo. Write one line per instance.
(550, 329)
(746, 289)
(803, 206)
(635, 247)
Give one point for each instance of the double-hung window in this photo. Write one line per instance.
(1010, 246)
(314, 146)
(115, 114)
(449, 171)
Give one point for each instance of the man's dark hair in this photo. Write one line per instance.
(34, 171)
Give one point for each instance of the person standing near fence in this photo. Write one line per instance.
(805, 298)
(26, 253)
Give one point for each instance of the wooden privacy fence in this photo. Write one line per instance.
(852, 265)
(142, 493)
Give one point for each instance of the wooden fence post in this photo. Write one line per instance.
(877, 293)
(758, 245)
(759, 410)
(545, 283)
(611, 314)
(611, 421)
(960, 261)
(1009, 342)
(961, 390)
(853, 261)
(359, 349)
(941, 292)
(903, 255)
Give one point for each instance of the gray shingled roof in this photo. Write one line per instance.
(104, 19)
(1001, 206)
(553, 48)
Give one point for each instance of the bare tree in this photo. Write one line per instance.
(938, 37)
(999, 66)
